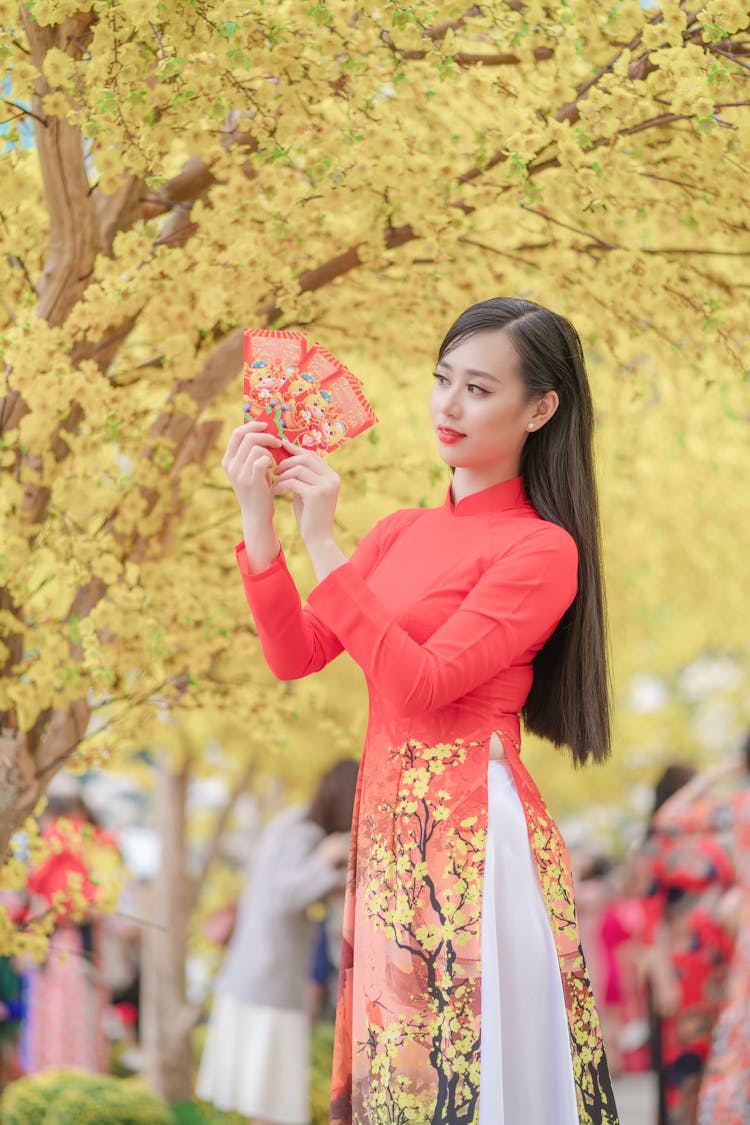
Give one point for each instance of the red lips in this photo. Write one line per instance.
(448, 436)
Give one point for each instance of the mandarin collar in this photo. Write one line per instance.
(496, 498)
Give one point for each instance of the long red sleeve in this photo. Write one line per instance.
(295, 642)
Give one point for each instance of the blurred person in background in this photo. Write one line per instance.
(685, 877)
(256, 1057)
(66, 996)
(320, 976)
(623, 1004)
(326, 959)
(697, 814)
(12, 1010)
(121, 950)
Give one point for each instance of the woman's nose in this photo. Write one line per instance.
(452, 404)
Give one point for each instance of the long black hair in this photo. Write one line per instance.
(569, 702)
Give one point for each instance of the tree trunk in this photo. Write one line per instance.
(168, 1019)
(73, 229)
(27, 765)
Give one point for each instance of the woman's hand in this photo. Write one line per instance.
(248, 465)
(315, 490)
(334, 849)
(732, 765)
(314, 487)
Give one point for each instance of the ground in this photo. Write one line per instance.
(636, 1099)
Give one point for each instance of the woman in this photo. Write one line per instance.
(66, 997)
(694, 813)
(683, 879)
(461, 617)
(256, 1058)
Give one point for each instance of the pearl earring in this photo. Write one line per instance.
(531, 425)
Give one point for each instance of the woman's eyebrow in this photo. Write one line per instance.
(474, 371)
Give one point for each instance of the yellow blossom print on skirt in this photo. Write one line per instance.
(408, 1022)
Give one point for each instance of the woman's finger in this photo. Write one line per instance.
(257, 460)
(237, 434)
(251, 441)
(242, 468)
(298, 451)
(241, 441)
(263, 438)
(260, 457)
(298, 472)
(309, 460)
(297, 487)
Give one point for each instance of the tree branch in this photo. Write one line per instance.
(568, 226)
(716, 50)
(464, 58)
(118, 211)
(23, 111)
(569, 112)
(503, 253)
(600, 244)
(73, 233)
(662, 119)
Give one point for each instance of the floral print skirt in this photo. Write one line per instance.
(408, 1029)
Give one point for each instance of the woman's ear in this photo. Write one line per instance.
(545, 408)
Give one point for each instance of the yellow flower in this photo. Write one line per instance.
(56, 104)
(13, 875)
(106, 567)
(729, 15)
(57, 66)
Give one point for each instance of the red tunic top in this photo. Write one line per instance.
(444, 610)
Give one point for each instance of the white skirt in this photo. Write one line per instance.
(526, 1067)
(257, 1061)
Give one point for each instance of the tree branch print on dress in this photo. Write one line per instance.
(419, 885)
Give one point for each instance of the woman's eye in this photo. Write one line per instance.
(473, 387)
(439, 378)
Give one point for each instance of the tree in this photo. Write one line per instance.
(363, 172)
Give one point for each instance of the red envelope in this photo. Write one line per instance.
(272, 363)
(302, 393)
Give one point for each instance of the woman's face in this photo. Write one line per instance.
(479, 406)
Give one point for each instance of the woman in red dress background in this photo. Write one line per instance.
(687, 948)
(463, 994)
(709, 821)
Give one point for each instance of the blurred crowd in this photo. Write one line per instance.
(665, 930)
(81, 1007)
(666, 934)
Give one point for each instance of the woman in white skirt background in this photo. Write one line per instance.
(257, 1054)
